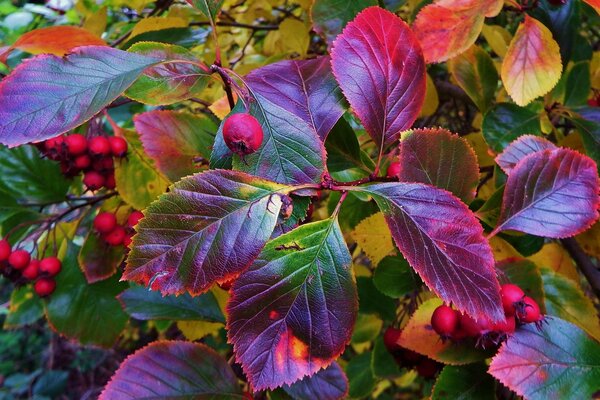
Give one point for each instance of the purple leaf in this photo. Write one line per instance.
(551, 193)
(520, 148)
(443, 241)
(49, 95)
(440, 158)
(292, 312)
(380, 67)
(207, 229)
(173, 369)
(327, 384)
(306, 88)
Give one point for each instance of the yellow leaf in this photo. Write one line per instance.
(555, 257)
(431, 99)
(497, 37)
(590, 240)
(221, 107)
(96, 22)
(195, 330)
(502, 249)
(374, 237)
(292, 37)
(478, 144)
(532, 65)
(157, 24)
(595, 70)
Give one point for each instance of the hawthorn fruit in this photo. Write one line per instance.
(44, 287)
(444, 321)
(5, 250)
(32, 271)
(115, 237)
(93, 180)
(390, 339)
(19, 259)
(511, 296)
(50, 266)
(530, 311)
(118, 146)
(242, 134)
(99, 146)
(76, 144)
(105, 222)
(393, 170)
(134, 218)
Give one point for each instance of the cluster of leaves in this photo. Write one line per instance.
(463, 213)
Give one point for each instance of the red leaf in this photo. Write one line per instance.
(379, 65)
(57, 40)
(305, 88)
(520, 148)
(551, 193)
(443, 241)
(173, 369)
(327, 384)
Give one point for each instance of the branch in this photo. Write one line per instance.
(239, 25)
(585, 264)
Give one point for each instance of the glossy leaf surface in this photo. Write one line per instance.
(519, 149)
(468, 382)
(379, 66)
(505, 122)
(48, 95)
(207, 229)
(97, 259)
(292, 312)
(327, 384)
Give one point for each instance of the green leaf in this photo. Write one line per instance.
(465, 382)
(587, 122)
(382, 362)
(25, 308)
(366, 328)
(97, 259)
(343, 150)
(138, 181)
(372, 301)
(89, 313)
(145, 304)
(210, 8)
(330, 16)
(505, 122)
(360, 375)
(395, 278)
(555, 360)
(578, 84)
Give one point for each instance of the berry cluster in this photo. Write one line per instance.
(93, 157)
(518, 309)
(114, 234)
(425, 366)
(18, 266)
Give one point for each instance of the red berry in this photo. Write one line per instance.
(530, 312)
(82, 162)
(103, 164)
(54, 147)
(76, 144)
(99, 146)
(5, 250)
(128, 239)
(32, 270)
(507, 326)
(134, 218)
(469, 326)
(110, 182)
(391, 337)
(105, 222)
(93, 180)
(44, 286)
(116, 237)
(427, 368)
(593, 103)
(511, 294)
(242, 134)
(393, 170)
(19, 259)
(118, 146)
(50, 266)
(444, 320)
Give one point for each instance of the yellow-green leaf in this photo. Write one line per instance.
(374, 237)
(157, 24)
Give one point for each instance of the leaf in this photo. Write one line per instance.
(432, 100)
(468, 382)
(343, 151)
(292, 312)
(378, 64)
(557, 359)
(419, 336)
(173, 140)
(210, 8)
(97, 259)
(306, 88)
(329, 17)
(145, 304)
(327, 384)
(374, 238)
(442, 240)
(525, 274)
(48, 95)
(383, 364)
(367, 328)
(476, 74)
(394, 277)
(179, 370)
(360, 375)
(564, 299)
(372, 301)
(186, 240)
(171, 82)
(532, 65)
(447, 28)
(587, 122)
(555, 257)
(440, 158)
(497, 37)
(505, 122)
(520, 148)
(138, 181)
(150, 24)
(57, 40)
(25, 308)
(595, 4)
(553, 193)
(578, 84)
(89, 313)
(30, 178)
(196, 330)
(590, 240)
(564, 23)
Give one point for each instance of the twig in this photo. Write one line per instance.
(585, 264)
(239, 25)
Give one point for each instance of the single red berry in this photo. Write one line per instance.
(76, 144)
(393, 170)
(93, 180)
(593, 102)
(105, 222)
(469, 326)
(391, 337)
(427, 368)
(82, 162)
(128, 239)
(5, 250)
(110, 182)
(31, 271)
(50, 266)
(444, 320)
(99, 146)
(19, 259)
(511, 294)
(530, 312)
(116, 237)
(118, 146)
(134, 218)
(44, 286)
(507, 326)
(242, 134)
